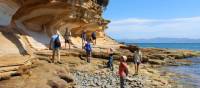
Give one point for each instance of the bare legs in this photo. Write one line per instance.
(58, 55)
(88, 56)
(94, 41)
(56, 52)
(53, 56)
(83, 43)
(65, 45)
(136, 68)
(69, 46)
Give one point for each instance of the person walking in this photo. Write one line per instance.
(110, 62)
(94, 38)
(55, 45)
(83, 37)
(110, 52)
(67, 37)
(137, 59)
(88, 50)
(123, 71)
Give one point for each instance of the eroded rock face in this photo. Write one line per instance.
(39, 19)
(7, 10)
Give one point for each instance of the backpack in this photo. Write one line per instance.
(57, 42)
(88, 47)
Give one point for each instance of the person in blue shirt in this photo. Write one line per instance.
(110, 62)
(55, 45)
(88, 49)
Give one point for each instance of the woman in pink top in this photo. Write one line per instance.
(123, 71)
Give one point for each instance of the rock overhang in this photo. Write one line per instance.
(46, 17)
(29, 11)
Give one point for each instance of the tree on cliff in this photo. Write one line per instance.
(103, 3)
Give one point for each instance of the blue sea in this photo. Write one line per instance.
(191, 78)
(186, 46)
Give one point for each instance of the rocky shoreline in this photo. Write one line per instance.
(95, 75)
(105, 80)
(168, 57)
(26, 27)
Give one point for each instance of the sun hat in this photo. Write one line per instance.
(124, 58)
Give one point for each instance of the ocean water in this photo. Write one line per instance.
(187, 46)
(191, 78)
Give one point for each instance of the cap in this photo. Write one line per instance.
(124, 58)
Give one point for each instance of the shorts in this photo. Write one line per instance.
(88, 53)
(136, 61)
(84, 39)
(67, 41)
(94, 38)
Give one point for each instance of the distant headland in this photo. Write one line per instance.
(160, 40)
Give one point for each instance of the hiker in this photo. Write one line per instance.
(67, 37)
(110, 62)
(94, 38)
(55, 45)
(110, 51)
(110, 58)
(88, 49)
(137, 59)
(83, 37)
(123, 71)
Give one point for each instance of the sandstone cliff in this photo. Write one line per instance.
(32, 22)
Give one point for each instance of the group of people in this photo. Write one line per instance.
(84, 38)
(86, 43)
(55, 46)
(123, 67)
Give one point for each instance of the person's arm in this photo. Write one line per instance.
(141, 56)
(70, 34)
(118, 73)
(125, 65)
(85, 46)
(91, 47)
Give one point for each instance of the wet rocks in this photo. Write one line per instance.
(156, 62)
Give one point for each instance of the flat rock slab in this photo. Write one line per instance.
(7, 46)
(12, 60)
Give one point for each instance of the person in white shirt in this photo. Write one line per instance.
(137, 59)
(55, 45)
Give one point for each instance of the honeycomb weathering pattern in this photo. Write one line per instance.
(39, 19)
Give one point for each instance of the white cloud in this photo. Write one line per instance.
(134, 28)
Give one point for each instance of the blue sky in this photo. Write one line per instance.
(138, 19)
